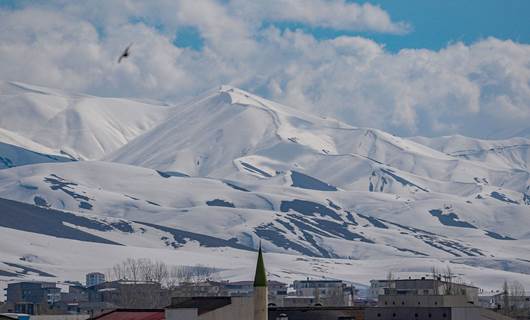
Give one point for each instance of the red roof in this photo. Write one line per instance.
(133, 314)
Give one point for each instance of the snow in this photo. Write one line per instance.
(230, 168)
(84, 127)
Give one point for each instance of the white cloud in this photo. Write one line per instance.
(336, 14)
(469, 89)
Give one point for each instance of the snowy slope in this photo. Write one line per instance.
(233, 134)
(93, 243)
(509, 153)
(84, 127)
(18, 151)
(238, 169)
(290, 219)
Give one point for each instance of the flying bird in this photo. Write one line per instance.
(125, 53)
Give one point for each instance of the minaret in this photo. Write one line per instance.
(260, 290)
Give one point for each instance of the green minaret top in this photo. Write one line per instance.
(260, 279)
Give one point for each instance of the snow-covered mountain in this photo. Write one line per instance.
(79, 126)
(229, 169)
(511, 153)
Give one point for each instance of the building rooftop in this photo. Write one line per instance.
(424, 280)
(250, 283)
(132, 314)
(203, 304)
(321, 280)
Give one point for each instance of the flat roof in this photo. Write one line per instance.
(132, 314)
(203, 304)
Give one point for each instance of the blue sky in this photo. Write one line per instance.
(439, 22)
(436, 23)
(466, 70)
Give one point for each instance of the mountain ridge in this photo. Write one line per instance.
(243, 169)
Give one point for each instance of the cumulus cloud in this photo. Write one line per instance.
(476, 89)
(337, 14)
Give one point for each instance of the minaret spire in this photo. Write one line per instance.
(260, 289)
(260, 278)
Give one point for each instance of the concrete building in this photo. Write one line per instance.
(424, 292)
(31, 297)
(432, 313)
(132, 314)
(198, 289)
(518, 305)
(427, 299)
(94, 278)
(210, 308)
(377, 288)
(248, 307)
(299, 301)
(277, 291)
(316, 313)
(324, 292)
(243, 288)
(128, 294)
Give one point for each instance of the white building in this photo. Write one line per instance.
(94, 278)
(325, 292)
(431, 292)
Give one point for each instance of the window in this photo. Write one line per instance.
(393, 315)
(415, 315)
(379, 315)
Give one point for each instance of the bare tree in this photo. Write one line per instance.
(447, 277)
(139, 283)
(514, 299)
(160, 272)
(187, 274)
(505, 297)
(435, 276)
(136, 270)
(181, 274)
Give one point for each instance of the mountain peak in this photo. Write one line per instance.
(241, 97)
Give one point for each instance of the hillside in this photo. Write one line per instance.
(233, 169)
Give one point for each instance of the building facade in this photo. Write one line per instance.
(325, 292)
(425, 292)
(94, 278)
(32, 297)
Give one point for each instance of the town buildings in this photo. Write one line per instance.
(432, 299)
(261, 299)
(425, 292)
(253, 307)
(31, 297)
(321, 292)
(94, 278)
(128, 294)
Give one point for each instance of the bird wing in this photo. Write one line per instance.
(125, 53)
